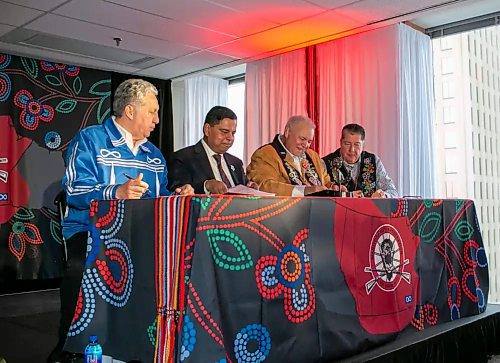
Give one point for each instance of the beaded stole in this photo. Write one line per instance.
(310, 173)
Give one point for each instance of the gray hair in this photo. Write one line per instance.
(131, 92)
(298, 119)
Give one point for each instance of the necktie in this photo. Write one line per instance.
(225, 179)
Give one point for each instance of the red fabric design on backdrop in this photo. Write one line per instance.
(386, 292)
(14, 191)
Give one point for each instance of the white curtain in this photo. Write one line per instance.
(275, 90)
(382, 79)
(416, 157)
(358, 83)
(201, 93)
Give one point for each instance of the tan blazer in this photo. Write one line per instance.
(267, 170)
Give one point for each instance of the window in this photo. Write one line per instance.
(445, 43)
(469, 130)
(451, 161)
(447, 65)
(448, 89)
(449, 115)
(236, 102)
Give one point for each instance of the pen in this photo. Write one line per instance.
(129, 177)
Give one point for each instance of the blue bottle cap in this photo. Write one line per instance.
(93, 339)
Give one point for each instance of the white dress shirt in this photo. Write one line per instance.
(298, 190)
(213, 165)
(129, 141)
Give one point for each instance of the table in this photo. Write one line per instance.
(247, 279)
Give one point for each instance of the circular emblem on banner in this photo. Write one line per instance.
(387, 260)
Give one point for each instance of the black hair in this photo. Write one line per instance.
(354, 129)
(217, 114)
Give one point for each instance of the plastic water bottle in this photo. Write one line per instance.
(93, 351)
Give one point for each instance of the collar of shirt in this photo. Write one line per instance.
(128, 138)
(213, 163)
(353, 169)
(210, 152)
(298, 190)
(296, 159)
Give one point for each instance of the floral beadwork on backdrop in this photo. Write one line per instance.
(42, 106)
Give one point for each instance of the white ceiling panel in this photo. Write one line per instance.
(124, 18)
(369, 11)
(65, 58)
(238, 24)
(45, 5)
(404, 7)
(277, 11)
(187, 64)
(188, 11)
(385, 9)
(204, 14)
(15, 15)
(4, 29)
(246, 24)
(308, 30)
(457, 12)
(230, 71)
(332, 4)
(200, 34)
(98, 34)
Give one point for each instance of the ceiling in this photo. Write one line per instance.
(176, 38)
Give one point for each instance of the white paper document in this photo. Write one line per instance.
(244, 190)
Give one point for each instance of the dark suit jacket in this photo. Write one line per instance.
(191, 166)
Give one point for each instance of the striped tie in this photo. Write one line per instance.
(225, 179)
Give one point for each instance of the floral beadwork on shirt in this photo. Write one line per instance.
(310, 172)
(368, 175)
(293, 174)
(310, 176)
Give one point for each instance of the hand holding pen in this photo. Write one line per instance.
(133, 188)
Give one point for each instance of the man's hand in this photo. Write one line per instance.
(132, 189)
(314, 189)
(379, 194)
(333, 186)
(253, 185)
(186, 189)
(215, 186)
(357, 194)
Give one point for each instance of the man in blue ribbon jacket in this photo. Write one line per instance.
(109, 161)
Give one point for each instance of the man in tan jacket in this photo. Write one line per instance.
(287, 166)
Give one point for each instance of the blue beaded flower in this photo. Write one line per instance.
(33, 110)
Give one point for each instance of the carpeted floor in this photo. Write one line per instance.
(28, 326)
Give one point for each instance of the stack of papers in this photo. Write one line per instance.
(244, 190)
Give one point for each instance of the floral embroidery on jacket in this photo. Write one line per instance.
(368, 171)
(310, 172)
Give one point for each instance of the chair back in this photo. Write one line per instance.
(60, 203)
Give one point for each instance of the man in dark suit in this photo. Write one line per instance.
(207, 165)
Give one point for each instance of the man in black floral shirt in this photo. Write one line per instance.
(360, 171)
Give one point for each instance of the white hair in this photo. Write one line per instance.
(299, 119)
